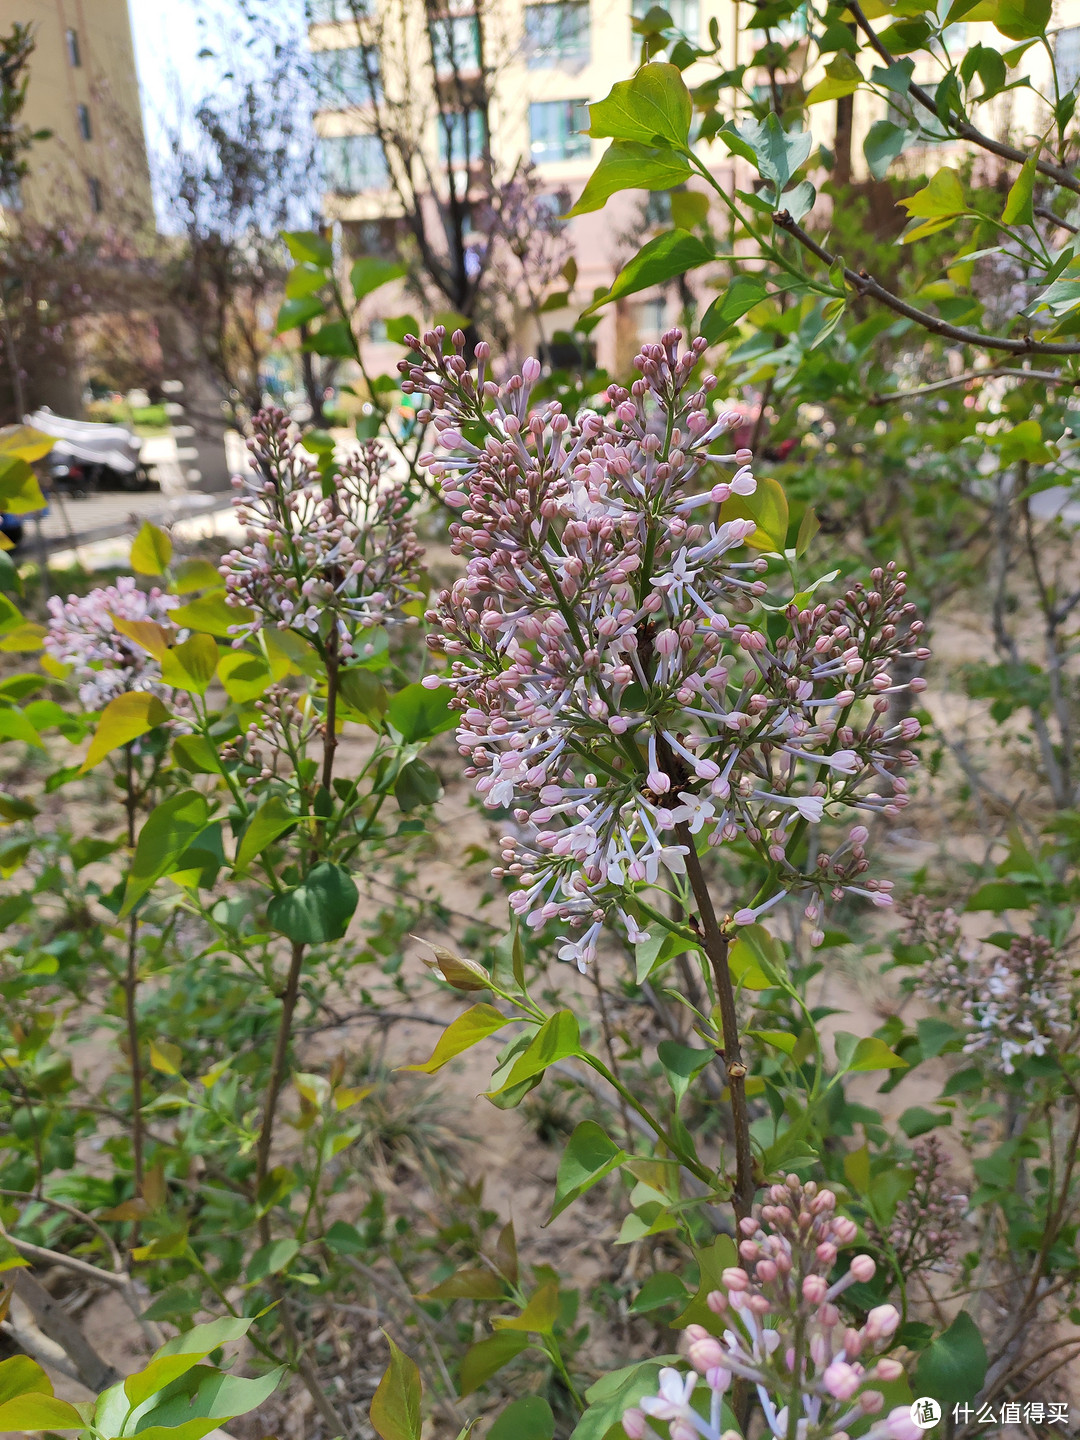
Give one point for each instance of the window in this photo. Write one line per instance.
(455, 43)
(557, 34)
(341, 77)
(96, 204)
(352, 164)
(332, 12)
(1067, 57)
(82, 115)
(376, 332)
(652, 318)
(74, 57)
(555, 128)
(467, 137)
(685, 14)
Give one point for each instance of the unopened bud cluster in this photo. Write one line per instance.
(927, 1224)
(317, 554)
(620, 686)
(784, 1334)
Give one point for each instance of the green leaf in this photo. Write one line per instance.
(744, 292)
(590, 1156)
(123, 720)
(809, 526)
(943, 195)
(476, 1024)
(777, 152)
(1018, 206)
(420, 714)
(486, 1358)
(372, 271)
(527, 1419)
(191, 575)
(318, 910)
(767, 506)
(883, 144)
(272, 819)
(151, 550)
(169, 830)
(192, 665)
(663, 1288)
(273, 1258)
(659, 948)
(689, 208)
(30, 1413)
(417, 784)
(309, 246)
(298, 312)
(1023, 442)
(999, 895)
(244, 676)
(557, 1039)
(682, 1064)
(25, 443)
(1023, 19)
(873, 1054)
(653, 106)
(15, 725)
(395, 1409)
(333, 338)
(842, 77)
(953, 1367)
(20, 493)
(614, 1394)
(917, 1121)
(20, 1375)
(629, 165)
(204, 1393)
(539, 1315)
(712, 1260)
(363, 691)
(211, 614)
(475, 1284)
(400, 326)
(669, 255)
(303, 280)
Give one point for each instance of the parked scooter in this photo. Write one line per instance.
(89, 457)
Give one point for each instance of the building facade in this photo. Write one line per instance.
(543, 62)
(92, 171)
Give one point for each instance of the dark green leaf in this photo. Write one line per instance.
(671, 254)
(629, 165)
(527, 1419)
(309, 246)
(744, 292)
(298, 312)
(169, 830)
(417, 713)
(778, 153)
(952, 1368)
(318, 910)
(372, 271)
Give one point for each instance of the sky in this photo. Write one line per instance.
(173, 76)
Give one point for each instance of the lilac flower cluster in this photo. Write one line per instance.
(784, 1334)
(82, 633)
(346, 550)
(620, 693)
(925, 1229)
(1012, 1003)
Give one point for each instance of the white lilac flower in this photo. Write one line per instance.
(344, 554)
(1011, 1003)
(781, 1331)
(82, 633)
(601, 630)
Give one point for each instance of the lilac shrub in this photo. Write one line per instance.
(813, 1375)
(346, 549)
(620, 689)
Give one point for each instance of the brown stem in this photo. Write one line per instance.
(277, 1078)
(865, 284)
(715, 944)
(131, 984)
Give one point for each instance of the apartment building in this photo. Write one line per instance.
(548, 59)
(92, 172)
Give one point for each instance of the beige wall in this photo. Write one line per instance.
(58, 187)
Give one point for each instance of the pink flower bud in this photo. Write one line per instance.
(735, 1278)
(635, 1424)
(716, 1300)
(705, 1355)
(888, 1369)
(863, 1268)
(814, 1289)
(841, 1380)
(530, 371)
(900, 1426)
(882, 1322)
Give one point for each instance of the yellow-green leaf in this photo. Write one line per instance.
(191, 666)
(539, 1315)
(147, 634)
(476, 1024)
(20, 493)
(123, 720)
(943, 196)
(211, 614)
(151, 550)
(165, 1056)
(25, 443)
